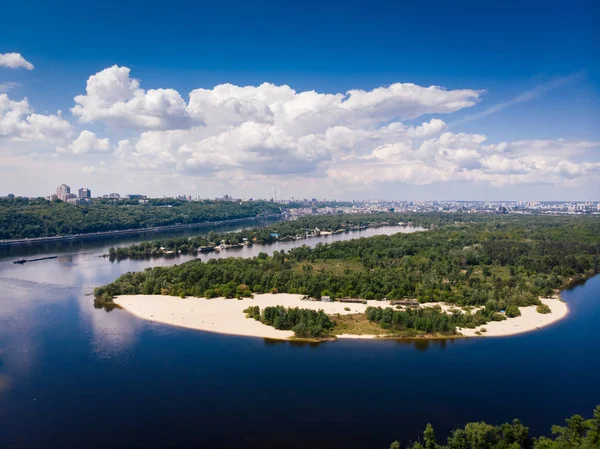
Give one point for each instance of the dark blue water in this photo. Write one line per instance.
(73, 376)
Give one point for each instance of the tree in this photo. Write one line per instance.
(429, 437)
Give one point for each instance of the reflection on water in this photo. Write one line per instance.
(423, 344)
(5, 380)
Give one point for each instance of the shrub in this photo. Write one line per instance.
(347, 309)
(543, 308)
(252, 312)
(210, 293)
(512, 311)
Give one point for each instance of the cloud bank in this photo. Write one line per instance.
(251, 134)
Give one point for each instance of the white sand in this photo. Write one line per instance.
(225, 316)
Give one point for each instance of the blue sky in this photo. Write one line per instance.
(505, 49)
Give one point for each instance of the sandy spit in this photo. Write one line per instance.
(225, 316)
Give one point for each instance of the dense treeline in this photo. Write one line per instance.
(304, 227)
(578, 433)
(498, 263)
(29, 218)
(305, 323)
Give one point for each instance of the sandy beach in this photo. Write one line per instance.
(529, 320)
(225, 316)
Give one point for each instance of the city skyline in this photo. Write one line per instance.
(194, 196)
(63, 192)
(379, 119)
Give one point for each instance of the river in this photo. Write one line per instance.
(74, 376)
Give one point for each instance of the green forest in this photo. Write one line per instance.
(578, 433)
(497, 262)
(30, 218)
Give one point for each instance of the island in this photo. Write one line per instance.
(497, 275)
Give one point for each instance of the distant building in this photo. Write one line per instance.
(136, 196)
(62, 192)
(84, 193)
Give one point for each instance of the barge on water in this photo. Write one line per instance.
(22, 261)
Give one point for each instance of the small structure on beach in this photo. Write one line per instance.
(353, 300)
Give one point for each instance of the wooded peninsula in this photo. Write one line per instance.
(489, 265)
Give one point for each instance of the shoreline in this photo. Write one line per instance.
(225, 316)
(286, 239)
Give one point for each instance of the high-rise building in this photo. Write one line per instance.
(63, 192)
(85, 193)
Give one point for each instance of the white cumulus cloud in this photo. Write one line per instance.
(115, 98)
(19, 122)
(86, 142)
(14, 61)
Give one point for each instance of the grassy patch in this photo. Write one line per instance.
(356, 324)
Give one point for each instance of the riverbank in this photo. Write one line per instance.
(129, 232)
(226, 316)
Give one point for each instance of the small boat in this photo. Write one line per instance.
(21, 261)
